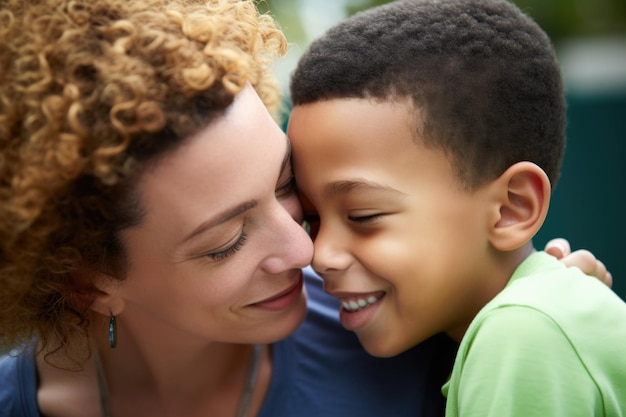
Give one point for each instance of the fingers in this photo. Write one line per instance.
(583, 259)
(559, 248)
(588, 263)
(607, 277)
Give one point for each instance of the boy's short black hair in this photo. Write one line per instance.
(483, 75)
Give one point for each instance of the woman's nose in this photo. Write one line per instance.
(291, 246)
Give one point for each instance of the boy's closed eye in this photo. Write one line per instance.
(365, 218)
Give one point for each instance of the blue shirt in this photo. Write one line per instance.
(319, 370)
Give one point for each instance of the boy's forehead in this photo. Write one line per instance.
(350, 146)
(348, 107)
(360, 119)
(334, 127)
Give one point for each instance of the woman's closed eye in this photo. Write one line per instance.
(287, 188)
(230, 250)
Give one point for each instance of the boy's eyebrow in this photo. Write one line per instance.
(358, 184)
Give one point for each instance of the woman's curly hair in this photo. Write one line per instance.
(90, 92)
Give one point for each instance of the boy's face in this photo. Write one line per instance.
(399, 241)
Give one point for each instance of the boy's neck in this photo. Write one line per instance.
(500, 270)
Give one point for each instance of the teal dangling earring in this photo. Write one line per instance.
(112, 332)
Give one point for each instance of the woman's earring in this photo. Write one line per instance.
(112, 332)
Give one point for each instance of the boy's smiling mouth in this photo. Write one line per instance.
(359, 303)
(357, 310)
(352, 302)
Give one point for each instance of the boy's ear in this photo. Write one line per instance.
(521, 196)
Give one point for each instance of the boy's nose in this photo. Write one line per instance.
(330, 252)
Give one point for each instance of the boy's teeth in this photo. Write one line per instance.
(359, 303)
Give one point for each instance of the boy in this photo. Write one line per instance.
(426, 136)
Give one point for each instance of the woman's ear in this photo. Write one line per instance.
(522, 196)
(97, 291)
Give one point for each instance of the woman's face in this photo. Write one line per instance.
(218, 255)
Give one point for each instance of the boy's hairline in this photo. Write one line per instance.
(417, 129)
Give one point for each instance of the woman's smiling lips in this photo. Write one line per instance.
(283, 299)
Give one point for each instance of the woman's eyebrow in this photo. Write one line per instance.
(231, 213)
(220, 218)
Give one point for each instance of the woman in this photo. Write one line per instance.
(150, 263)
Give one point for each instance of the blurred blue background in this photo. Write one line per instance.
(590, 39)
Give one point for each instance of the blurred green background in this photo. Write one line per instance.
(590, 39)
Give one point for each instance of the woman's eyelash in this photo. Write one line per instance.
(231, 250)
(287, 187)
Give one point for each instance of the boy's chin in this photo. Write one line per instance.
(382, 347)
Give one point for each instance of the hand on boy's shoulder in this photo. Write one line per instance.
(581, 258)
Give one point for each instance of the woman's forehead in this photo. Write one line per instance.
(235, 160)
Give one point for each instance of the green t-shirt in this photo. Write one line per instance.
(552, 343)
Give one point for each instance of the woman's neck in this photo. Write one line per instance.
(178, 375)
(151, 373)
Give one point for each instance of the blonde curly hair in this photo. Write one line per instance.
(90, 92)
